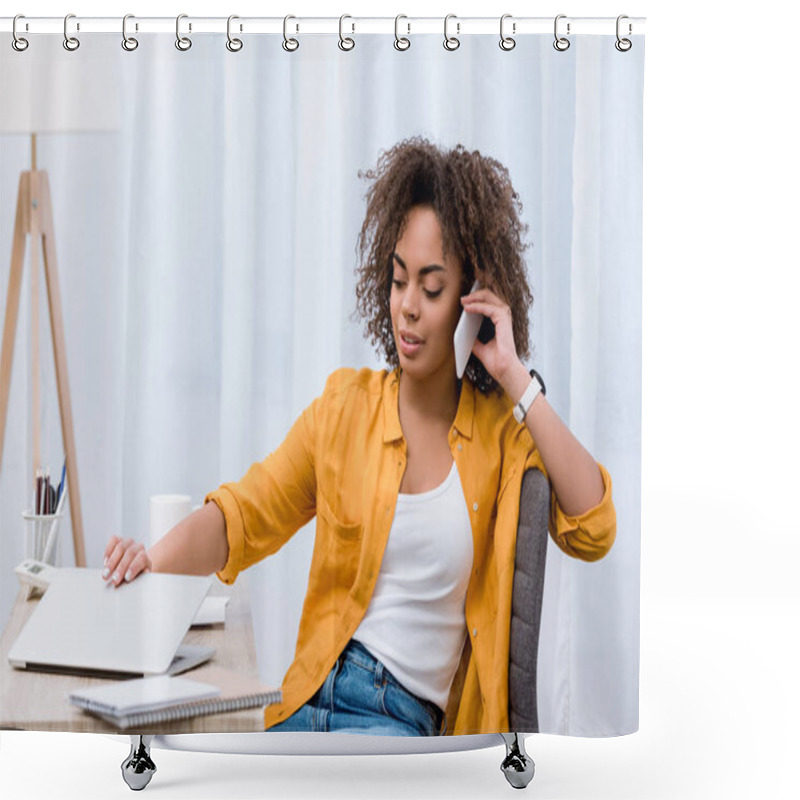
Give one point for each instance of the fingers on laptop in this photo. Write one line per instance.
(124, 560)
(112, 543)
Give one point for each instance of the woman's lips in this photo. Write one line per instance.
(408, 348)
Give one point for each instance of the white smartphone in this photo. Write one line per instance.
(467, 330)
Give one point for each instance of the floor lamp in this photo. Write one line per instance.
(34, 217)
(33, 104)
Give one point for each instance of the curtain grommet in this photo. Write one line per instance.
(183, 43)
(233, 45)
(507, 43)
(400, 42)
(19, 43)
(71, 43)
(561, 43)
(129, 43)
(289, 45)
(451, 43)
(346, 44)
(623, 45)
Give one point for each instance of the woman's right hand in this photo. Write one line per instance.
(124, 560)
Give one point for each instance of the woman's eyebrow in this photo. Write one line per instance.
(423, 270)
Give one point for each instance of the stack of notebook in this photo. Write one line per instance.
(164, 698)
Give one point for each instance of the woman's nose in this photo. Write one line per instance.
(410, 308)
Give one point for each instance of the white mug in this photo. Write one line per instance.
(166, 511)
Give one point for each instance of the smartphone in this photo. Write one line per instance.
(470, 327)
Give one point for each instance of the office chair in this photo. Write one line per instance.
(526, 615)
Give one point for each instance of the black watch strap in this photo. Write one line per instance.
(534, 374)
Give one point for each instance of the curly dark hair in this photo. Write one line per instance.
(479, 213)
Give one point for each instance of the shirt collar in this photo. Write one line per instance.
(391, 417)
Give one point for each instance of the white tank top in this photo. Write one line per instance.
(415, 621)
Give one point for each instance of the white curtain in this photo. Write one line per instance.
(207, 254)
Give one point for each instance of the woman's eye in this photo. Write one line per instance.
(400, 284)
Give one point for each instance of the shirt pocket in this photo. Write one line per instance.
(347, 531)
(342, 549)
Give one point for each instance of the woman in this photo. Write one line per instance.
(413, 475)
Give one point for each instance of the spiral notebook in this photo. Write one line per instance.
(164, 698)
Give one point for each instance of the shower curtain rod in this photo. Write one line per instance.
(457, 26)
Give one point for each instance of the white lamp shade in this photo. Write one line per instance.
(38, 95)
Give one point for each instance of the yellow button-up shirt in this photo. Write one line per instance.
(343, 461)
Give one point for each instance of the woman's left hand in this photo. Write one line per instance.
(499, 354)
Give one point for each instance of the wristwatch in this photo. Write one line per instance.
(526, 401)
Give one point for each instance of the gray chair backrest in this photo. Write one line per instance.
(526, 604)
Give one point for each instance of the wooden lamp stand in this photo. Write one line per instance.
(35, 217)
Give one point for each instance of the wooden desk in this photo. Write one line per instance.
(36, 701)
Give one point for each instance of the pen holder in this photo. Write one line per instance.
(41, 536)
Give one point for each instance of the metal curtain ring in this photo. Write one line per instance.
(346, 43)
(290, 45)
(18, 42)
(234, 45)
(506, 42)
(128, 42)
(182, 42)
(401, 43)
(561, 44)
(623, 45)
(70, 42)
(451, 42)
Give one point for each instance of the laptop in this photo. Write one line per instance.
(84, 626)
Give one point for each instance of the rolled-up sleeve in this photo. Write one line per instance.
(275, 498)
(588, 536)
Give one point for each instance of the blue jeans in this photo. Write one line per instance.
(361, 696)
